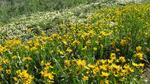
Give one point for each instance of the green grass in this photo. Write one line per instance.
(146, 1)
(14, 8)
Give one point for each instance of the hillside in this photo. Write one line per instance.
(83, 41)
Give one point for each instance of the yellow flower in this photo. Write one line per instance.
(105, 74)
(81, 63)
(33, 48)
(128, 68)
(104, 67)
(48, 64)
(15, 78)
(64, 41)
(91, 66)
(123, 42)
(57, 36)
(24, 76)
(85, 78)
(106, 81)
(60, 52)
(123, 72)
(75, 42)
(137, 65)
(131, 69)
(122, 59)
(88, 42)
(102, 82)
(95, 70)
(103, 33)
(42, 63)
(13, 42)
(2, 49)
(8, 71)
(48, 75)
(138, 49)
(134, 64)
(112, 56)
(115, 67)
(139, 55)
(109, 61)
(102, 61)
(117, 49)
(141, 64)
(4, 60)
(69, 50)
(27, 58)
(67, 63)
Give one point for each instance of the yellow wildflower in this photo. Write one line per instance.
(95, 70)
(102, 82)
(27, 58)
(33, 48)
(48, 75)
(103, 33)
(103, 61)
(104, 67)
(123, 42)
(117, 49)
(91, 65)
(112, 56)
(15, 78)
(2, 49)
(4, 60)
(8, 71)
(122, 59)
(134, 64)
(81, 63)
(85, 78)
(106, 81)
(64, 41)
(76, 42)
(61, 52)
(115, 67)
(141, 65)
(24, 76)
(105, 74)
(13, 42)
(109, 61)
(67, 63)
(69, 50)
(138, 49)
(139, 55)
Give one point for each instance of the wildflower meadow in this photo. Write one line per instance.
(106, 45)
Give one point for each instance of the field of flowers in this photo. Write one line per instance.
(111, 45)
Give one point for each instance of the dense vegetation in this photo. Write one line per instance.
(94, 43)
(13, 8)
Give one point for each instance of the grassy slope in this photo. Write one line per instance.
(46, 20)
(14, 8)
